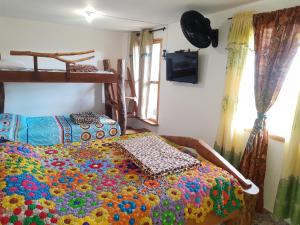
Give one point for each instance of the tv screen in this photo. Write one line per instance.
(182, 67)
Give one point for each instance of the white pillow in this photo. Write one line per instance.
(10, 64)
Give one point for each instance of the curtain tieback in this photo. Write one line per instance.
(258, 126)
(261, 116)
(145, 54)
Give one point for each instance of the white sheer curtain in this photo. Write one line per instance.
(135, 58)
(140, 63)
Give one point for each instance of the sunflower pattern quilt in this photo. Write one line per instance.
(93, 183)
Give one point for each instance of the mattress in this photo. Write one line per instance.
(93, 183)
(51, 130)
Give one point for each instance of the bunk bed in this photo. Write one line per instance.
(93, 182)
(37, 75)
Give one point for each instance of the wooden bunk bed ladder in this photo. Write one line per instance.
(111, 92)
(115, 103)
(132, 99)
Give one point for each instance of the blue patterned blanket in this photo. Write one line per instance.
(52, 130)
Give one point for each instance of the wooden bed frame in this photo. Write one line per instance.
(241, 217)
(116, 77)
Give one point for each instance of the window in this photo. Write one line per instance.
(153, 101)
(281, 114)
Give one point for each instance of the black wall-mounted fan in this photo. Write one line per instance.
(197, 30)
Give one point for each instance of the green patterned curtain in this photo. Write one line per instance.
(229, 141)
(287, 204)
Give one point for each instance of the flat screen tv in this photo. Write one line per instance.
(182, 67)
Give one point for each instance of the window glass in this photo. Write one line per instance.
(155, 63)
(281, 114)
(152, 107)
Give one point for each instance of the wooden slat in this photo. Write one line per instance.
(56, 77)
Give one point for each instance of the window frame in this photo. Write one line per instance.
(271, 136)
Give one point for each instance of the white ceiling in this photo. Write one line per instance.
(113, 14)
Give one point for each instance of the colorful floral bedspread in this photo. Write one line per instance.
(92, 183)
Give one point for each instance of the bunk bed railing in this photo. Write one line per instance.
(58, 56)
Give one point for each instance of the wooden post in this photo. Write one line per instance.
(106, 64)
(68, 75)
(2, 97)
(108, 108)
(35, 63)
(122, 112)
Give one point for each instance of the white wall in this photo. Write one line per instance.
(44, 99)
(194, 110)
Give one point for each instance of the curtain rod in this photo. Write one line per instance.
(151, 31)
(162, 28)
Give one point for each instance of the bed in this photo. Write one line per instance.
(95, 183)
(87, 183)
(51, 130)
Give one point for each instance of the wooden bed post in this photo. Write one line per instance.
(108, 108)
(2, 97)
(122, 112)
